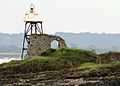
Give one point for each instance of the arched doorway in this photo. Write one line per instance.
(54, 44)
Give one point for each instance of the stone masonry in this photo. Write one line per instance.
(41, 42)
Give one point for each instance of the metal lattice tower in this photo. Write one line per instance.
(33, 25)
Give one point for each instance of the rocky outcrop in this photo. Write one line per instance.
(108, 57)
(41, 42)
(56, 78)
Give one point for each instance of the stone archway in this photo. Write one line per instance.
(55, 44)
(41, 42)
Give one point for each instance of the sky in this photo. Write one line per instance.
(95, 16)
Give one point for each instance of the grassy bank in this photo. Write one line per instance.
(56, 60)
(59, 65)
(50, 60)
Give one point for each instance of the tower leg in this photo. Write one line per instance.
(41, 28)
(23, 49)
(32, 28)
(22, 56)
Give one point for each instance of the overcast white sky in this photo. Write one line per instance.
(96, 16)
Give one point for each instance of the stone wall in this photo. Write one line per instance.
(41, 42)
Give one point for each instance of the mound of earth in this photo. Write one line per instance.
(62, 67)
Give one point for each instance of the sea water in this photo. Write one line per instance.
(7, 57)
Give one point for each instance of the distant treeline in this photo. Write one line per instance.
(91, 41)
(11, 43)
(10, 49)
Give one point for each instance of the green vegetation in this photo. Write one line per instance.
(75, 56)
(94, 65)
(52, 59)
(90, 65)
(76, 60)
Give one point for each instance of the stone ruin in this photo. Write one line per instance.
(41, 42)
